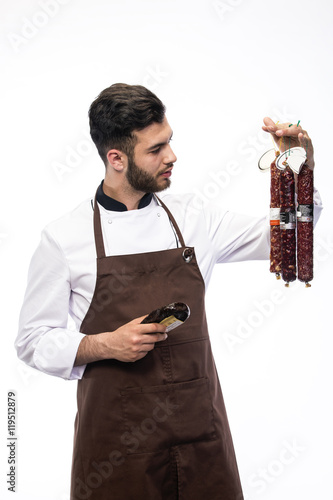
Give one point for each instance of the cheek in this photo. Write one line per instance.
(150, 163)
(153, 164)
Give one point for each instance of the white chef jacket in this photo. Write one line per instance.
(62, 273)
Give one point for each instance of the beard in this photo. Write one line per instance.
(143, 181)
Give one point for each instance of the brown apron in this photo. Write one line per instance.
(155, 429)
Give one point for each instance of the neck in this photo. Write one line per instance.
(129, 197)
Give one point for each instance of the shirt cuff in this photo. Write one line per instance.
(56, 351)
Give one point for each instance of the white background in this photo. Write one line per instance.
(220, 67)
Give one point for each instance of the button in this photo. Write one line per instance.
(110, 221)
(158, 214)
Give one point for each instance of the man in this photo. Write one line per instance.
(151, 422)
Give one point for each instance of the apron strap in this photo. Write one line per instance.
(100, 250)
(173, 222)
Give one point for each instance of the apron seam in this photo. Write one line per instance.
(180, 342)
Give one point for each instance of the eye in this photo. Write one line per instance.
(155, 151)
(158, 149)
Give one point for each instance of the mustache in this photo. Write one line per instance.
(167, 168)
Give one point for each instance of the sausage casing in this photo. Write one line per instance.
(288, 225)
(305, 225)
(275, 236)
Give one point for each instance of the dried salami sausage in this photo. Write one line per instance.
(288, 225)
(275, 233)
(305, 225)
(171, 315)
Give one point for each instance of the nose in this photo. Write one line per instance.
(170, 157)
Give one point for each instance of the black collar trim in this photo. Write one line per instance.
(116, 206)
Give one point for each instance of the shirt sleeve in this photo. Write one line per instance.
(236, 237)
(44, 341)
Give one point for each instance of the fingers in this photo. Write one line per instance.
(289, 131)
(149, 328)
(153, 338)
(303, 140)
(271, 127)
(281, 129)
(138, 320)
(306, 143)
(289, 135)
(299, 138)
(150, 333)
(133, 340)
(153, 332)
(268, 123)
(147, 341)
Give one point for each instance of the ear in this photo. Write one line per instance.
(116, 159)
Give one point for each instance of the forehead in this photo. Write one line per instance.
(155, 133)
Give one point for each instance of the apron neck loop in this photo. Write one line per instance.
(100, 250)
(173, 222)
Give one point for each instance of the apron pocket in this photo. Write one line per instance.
(158, 417)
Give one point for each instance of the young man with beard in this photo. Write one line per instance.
(151, 422)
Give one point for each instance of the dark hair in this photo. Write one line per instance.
(117, 112)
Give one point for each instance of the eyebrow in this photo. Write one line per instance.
(159, 144)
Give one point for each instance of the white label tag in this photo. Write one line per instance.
(171, 322)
